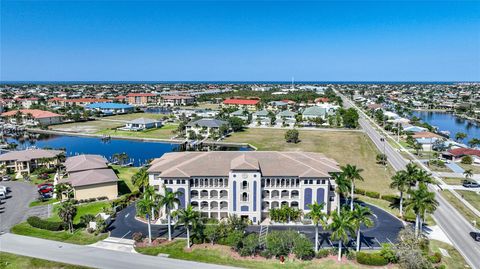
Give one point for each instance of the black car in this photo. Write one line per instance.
(476, 236)
(470, 184)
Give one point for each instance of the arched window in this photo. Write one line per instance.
(244, 184)
(244, 197)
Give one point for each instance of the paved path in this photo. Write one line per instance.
(15, 209)
(91, 256)
(386, 228)
(455, 167)
(458, 230)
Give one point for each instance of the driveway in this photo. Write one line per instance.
(455, 167)
(386, 228)
(15, 208)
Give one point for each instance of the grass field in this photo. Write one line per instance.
(83, 209)
(165, 132)
(453, 180)
(88, 127)
(472, 197)
(475, 168)
(455, 261)
(132, 116)
(345, 147)
(462, 209)
(12, 261)
(46, 202)
(80, 236)
(222, 255)
(125, 174)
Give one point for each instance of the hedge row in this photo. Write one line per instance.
(373, 194)
(371, 259)
(45, 224)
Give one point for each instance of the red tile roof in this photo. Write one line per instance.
(36, 113)
(240, 102)
(87, 100)
(464, 151)
(321, 100)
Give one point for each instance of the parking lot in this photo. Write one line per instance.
(15, 208)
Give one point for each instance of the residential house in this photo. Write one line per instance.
(204, 128)
(90, 177)
(25, 161)
(141, 124)
(248, 104)
(32, 117)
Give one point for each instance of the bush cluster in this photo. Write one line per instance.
(372, 194)
(44, 224)
(89, 200)
(282, 243)
(375, 259)
(435, 258)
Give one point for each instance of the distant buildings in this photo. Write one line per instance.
(177, 100)
(248, 104)
(25, 161)
(90, 177)
(246, 184)
(111, 108)
(32, 117)
(141, 99)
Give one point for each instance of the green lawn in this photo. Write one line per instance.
(125, 174)
(12, 261)
(455, 261)
(345, 147)
(80, 236)
(453, 180)
(83, 209)
(39, 203)
(475, 168)
(462, 209)
(222, 255)
(165, 132)
(472, 197)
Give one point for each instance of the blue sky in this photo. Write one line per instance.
(234, 40)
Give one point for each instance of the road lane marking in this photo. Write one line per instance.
(125, 234)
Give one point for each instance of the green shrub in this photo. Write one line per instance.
(371, 259)
(323, 253)
(280, 242)
(467, 160)
(441, 266)
(388, 253)
(435, 258)
(351, 255)
(303, 248)
(359, 191)
(390, 198)
(44, 224)
(372, 194)
(249, 245)
(233, 239)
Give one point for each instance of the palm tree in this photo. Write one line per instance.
(361, 216)
(168, 200)
(63, 189)
(67, 212)
(460, 136)
(187, 217)
(400, 182)
(149, 193)
(343, 187)
(411, 173)
(341, 226)
(352, 173)
(144, 207)
(468, 173)
(140, 179)
(421, 201)
(424, 177)
(317, 216)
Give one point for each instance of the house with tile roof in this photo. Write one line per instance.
(32, 117)
(25, 161)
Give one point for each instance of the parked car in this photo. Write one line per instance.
(470, 184)
(45, 188)
(476, 236)
(5, 189)
(3, 195)
(6, 178)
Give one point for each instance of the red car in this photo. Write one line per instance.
(45, 188)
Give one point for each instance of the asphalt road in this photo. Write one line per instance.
(457, 229)
(15, 208)
(385, 229)
(91, 256)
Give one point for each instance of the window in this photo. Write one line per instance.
(244, 197)
(323, 181)
(244, 184)
(318, 181)
(305, 182)
(183, 181)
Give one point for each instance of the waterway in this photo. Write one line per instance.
(139, 152)
(449, 122)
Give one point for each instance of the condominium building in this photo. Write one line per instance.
(246, 183)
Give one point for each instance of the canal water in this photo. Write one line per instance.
(449, 122)
(138, 152)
